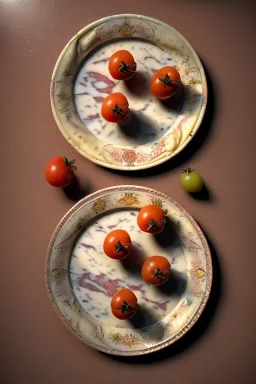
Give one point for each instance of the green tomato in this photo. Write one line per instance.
(191, 181)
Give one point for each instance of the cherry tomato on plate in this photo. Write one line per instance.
(124, 304)
(115, 107)
(117, 244)
(59, 171)
(165, 82)
(122, 65)
(191, 181)
(151, 219)
(156, 270)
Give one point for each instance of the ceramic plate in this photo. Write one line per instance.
(155, 131)
(81, 279)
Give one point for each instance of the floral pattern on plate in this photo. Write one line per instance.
(84, 128)
(63, 276)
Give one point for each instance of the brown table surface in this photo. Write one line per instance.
(35, 346)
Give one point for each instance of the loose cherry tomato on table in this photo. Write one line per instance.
(191, 181)
(156, 270)
(117, 244)
(59, 171)
(165, 82)
(122, 65)
(115, 107)
(151, 219)
(124, 304)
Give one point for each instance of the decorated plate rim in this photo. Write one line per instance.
(209, 275)
(198, 121)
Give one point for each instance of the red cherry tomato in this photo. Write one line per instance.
(59, 172)
(151, 219)
(156, 270)
(117, 244)
(165, 82)
(115, 107)
(124, 304)
(122, 65)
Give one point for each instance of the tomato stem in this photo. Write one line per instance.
(154, 223)
(119, 246)
(70, 164)
(119, 110)
(124, 68)
(167, 81)
(188, 170)
(159, 274)
(126, 307)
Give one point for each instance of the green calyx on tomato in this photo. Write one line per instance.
(119, 246)
(119, 110)
(125, 68)
(153, 223)
(70, 164)
(188, 170)
(125, 307)
(167, 80)
(159, 274)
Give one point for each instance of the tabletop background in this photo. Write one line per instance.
(35, 346)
